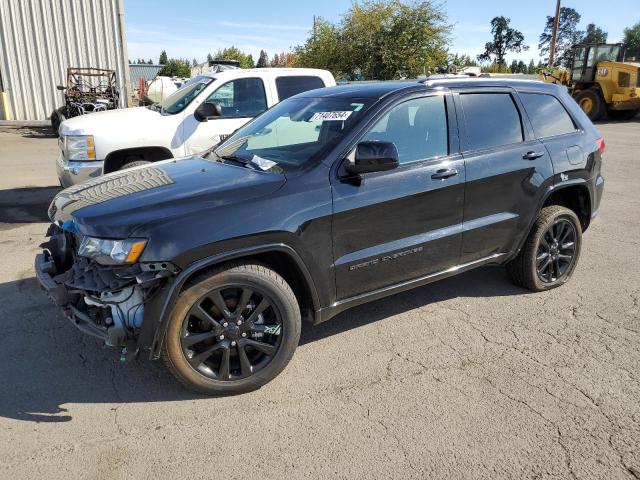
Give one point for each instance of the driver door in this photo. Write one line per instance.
(240, 100)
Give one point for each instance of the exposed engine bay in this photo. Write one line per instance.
(106, 301)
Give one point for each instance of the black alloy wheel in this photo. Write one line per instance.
(232, 329)
(556, 251)
(550, 252)
(231, 333)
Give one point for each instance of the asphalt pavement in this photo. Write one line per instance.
(470, 377)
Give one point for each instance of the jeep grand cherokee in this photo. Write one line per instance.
(333, 198)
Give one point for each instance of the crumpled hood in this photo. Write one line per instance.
(114, 205)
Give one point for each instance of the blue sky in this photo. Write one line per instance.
(191, 29)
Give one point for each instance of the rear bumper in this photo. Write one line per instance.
(71, 173)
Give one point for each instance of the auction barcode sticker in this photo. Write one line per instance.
(325, 116)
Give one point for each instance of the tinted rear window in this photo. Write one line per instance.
(491, 119)
(547, 114)
(290, 85)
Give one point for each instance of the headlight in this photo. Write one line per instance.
(79, 147)
(111, 252)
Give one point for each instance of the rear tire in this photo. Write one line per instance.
(136, 163)
(591, 103)
(189, 338)
(525, 269)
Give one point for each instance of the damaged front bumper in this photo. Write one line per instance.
(110, 302)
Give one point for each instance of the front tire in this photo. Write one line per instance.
(135, 163)
(233, 330)
(551, 251)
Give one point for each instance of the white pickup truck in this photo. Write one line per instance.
(200, 114)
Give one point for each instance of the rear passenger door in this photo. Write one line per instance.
(505, 167)
(553, 125)
(290, 85)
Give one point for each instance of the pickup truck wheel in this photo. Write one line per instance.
(551, 251)
(136, 163)
(233, 330)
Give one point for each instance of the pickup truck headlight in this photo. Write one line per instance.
(79, 147)
(111, 252)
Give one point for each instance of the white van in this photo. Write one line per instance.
(199, 115)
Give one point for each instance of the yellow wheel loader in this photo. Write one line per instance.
(601, 81)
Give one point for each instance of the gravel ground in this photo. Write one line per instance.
(466, 378)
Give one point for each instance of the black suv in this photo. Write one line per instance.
(332, 198)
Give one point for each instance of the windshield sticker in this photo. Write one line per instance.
(330, 116)
(262, 163)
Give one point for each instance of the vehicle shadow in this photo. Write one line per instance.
(481, 282)
(611, 121)
(48, 363)
(26, 205)
(44, 131)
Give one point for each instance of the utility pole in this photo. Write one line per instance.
(314, 28)
(554, 34)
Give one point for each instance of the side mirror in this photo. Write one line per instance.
(373, 157)
(207, 110)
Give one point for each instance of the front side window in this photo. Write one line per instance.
(547, 115)
(244, 97)
(178, 101)
(289, 86)
(417, 127)
(491, 120)
(294, 132)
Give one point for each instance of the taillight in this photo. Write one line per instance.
(600, 145)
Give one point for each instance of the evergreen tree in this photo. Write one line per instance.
(263, 61)
(163, 58)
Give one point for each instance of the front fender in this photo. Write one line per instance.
(154, 327)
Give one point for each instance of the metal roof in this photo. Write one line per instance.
(149, 72)
(39, 40)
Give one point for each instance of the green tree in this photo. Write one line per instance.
(234, 53)
(594, 34)
(194, 63)
(568, 35)
(175, 68)
(263, 61)
(514, 66)
(163, 58)
(209, 58)
(522, 67)
(632, 41)
(505, 39)
(461, 61)
(531, 69)
(380, 40)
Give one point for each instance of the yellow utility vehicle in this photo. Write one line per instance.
(601, 81)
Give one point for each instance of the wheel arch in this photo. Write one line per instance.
(282, 258)
(574, 195)
(114, 160)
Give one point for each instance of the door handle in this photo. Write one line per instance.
(444, 173)
(532, 155)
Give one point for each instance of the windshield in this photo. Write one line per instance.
(177, 101)
(294, 132)
(608, 53)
